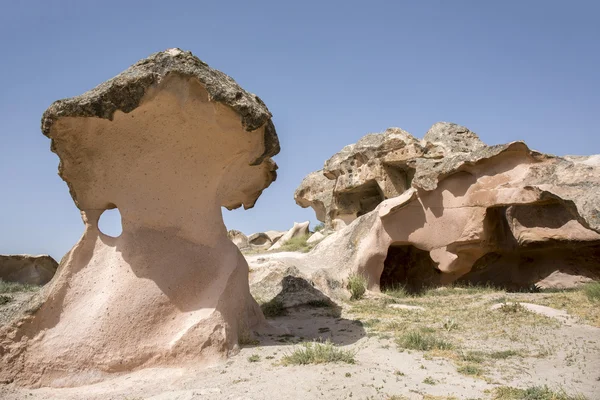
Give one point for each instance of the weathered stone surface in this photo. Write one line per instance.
(500, 214)
(260, 239)
(272, 279)
(169, 142)
(315, 238)
(299, 229)
(239, 239)
(24, 268)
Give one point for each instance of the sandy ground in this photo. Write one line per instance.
(570, 363)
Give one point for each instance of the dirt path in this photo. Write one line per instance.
(564, 355)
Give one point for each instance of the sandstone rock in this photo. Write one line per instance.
(299, 229)
(315, 238)
(260, 239)
(277, 280)
(23, 268)
(500, 214)
(275, 235)
(239, 239)
(168, 141)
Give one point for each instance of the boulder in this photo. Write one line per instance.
(27, 269)
(502, 214)
(168, 142)
(239, 239)
(315, 238)
(275, 280)
(299, 229)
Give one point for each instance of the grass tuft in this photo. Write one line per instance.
(357, 284)
(318, 353)
(319, 303)
(254, 358)
(470, 369)
(592, 291)
(416, 340)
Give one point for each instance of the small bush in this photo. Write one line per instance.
(418, 341)
(318, 353)
(12, 287)
(273, 308)
(254, 358)
(531, 393)
(592, 291)
(429, 381)
(319, 227)
(357, 285)
(450, 324)
(245, 339)
(5, 299)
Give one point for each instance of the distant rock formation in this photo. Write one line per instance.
(299, 229)
(169, 142)
(28, 269)
(446, 208)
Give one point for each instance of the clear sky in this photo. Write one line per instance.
(329, 71)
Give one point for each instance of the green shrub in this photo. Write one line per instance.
(273, 308)
(319, 227)
(592, 291)
(398, 291)
(254, 358)
(416, 340)
(318, 353)
(357, 285)
(470, 369)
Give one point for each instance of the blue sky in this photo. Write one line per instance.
(330, 72)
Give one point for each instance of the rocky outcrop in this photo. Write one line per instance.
(299, 229)
(462, 210)
(239, 239)
(169, 142)
(27, 269)
(315, 238)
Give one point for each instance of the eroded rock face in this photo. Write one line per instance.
(239, 239)
(169, 142)
(24, 268)
(500, 214)
(379, 166)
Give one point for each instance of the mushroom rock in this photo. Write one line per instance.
(168, 142)
(500, 214)
(24, 268)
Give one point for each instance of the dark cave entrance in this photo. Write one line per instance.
(408, 267)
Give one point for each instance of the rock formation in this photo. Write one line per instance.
(169, 142)
(299, 229)
(238, 238)
(24, 268)
(449, 207)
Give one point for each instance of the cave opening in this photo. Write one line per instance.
(410, 268)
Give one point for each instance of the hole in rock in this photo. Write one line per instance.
(409, 267)
(361, 199)
(110, 223)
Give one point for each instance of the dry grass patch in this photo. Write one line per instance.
(581, 302)
(13, 287)
(318, 353)
(532, 393)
